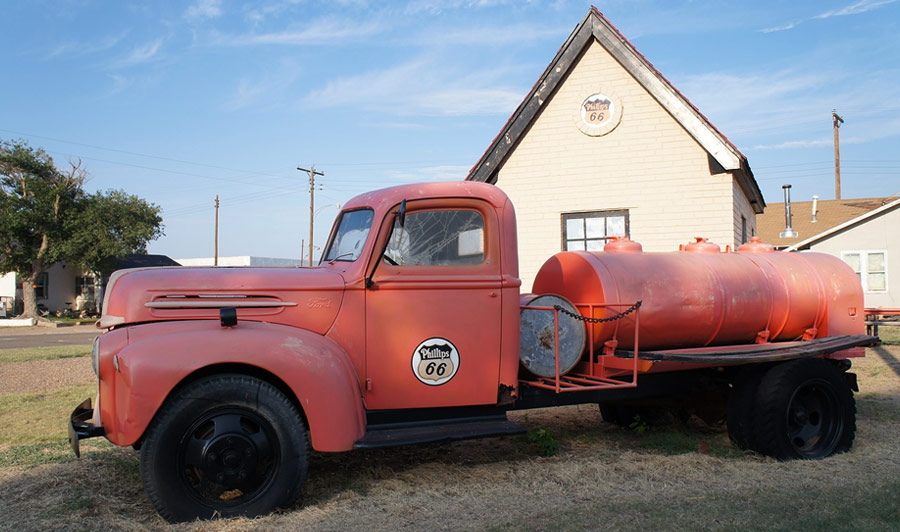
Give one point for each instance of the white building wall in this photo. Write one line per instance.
(876, 234)
(61, 287)
(649, 165)
(7, 293)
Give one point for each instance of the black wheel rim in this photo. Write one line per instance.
(228, 458)
(814, 423)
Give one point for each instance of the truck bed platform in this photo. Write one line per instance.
(754, 353)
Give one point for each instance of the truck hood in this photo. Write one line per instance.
(307, 297)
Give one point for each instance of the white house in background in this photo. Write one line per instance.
(59, 288)
(870, 243)
(7, 293)
(242, 260)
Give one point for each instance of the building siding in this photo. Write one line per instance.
(875, 234)
(649, 165)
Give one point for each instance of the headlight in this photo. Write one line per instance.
(95, 356)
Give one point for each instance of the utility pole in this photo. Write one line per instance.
(312, 200)
(837, 121)
(216, 258)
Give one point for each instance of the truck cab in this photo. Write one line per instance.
(432, 294)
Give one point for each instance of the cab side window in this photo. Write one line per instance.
(437, 238)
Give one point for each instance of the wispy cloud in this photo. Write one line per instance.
(437, 6)
(269, 89)
(319, 32)
(421, 87)
(430, 173)
(726, 97)
(794, 144)
(73, 48)
(786, 27)
(489, 35)
(140, 54)
(855, 9)
(204, 9)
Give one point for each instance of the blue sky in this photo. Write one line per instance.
(179, 101)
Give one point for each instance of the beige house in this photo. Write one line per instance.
(604, 145)
(870, 244)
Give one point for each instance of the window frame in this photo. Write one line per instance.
(42, 286)
(864, 267)
(335, 229)
(584, 215)
(484, 237)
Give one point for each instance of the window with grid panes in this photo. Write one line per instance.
(589, 231)
(870, 267)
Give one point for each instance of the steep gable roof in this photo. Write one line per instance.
(595, 27)
(829, 214)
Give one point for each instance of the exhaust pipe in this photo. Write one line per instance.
(788, 231)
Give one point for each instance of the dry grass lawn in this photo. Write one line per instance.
(601, 478)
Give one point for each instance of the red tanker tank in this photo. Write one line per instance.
(699, 296)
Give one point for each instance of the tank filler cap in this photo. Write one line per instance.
(618, 244)
(756, 245)
(702, 245)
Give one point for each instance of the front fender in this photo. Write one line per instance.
(159, 356)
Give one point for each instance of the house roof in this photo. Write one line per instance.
(830, 214)
(887, 207)
(596, 28)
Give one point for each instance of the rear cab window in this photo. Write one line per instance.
(437, 238)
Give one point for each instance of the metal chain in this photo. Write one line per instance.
(618, 316)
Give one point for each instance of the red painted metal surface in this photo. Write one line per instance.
(698, 296)
(339, 346)
(137, 376)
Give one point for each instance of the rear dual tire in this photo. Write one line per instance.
(798, 409)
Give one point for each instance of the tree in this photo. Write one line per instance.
(46, 217)
(109, 226)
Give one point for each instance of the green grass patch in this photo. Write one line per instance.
(76, 321)
(53, 352)
(889, 335)
(874, 505)
(59, 451)
(29, 418)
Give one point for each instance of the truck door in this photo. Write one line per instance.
(433, 309)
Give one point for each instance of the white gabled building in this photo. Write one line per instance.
(604, 145)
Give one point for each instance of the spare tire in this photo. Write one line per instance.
(537, 341)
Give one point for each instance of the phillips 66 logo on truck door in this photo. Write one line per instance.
(435, 361)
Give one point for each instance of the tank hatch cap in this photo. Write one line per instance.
(618, 244)
(702, 245)
(756, 245)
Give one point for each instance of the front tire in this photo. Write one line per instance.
(224, 446)
(804, 409)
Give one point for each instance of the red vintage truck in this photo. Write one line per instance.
(412, 329)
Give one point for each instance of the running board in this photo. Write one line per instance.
(407, 433)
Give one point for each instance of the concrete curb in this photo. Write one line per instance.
(23, 322)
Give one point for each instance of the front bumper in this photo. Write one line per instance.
(81, 425)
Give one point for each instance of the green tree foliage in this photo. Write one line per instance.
(47, 217)
(109, 225)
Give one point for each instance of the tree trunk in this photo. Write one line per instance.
(28, 296)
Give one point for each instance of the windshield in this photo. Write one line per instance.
(347, 243)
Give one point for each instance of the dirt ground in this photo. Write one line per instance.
(44, 375)
(601, 478)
